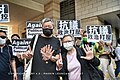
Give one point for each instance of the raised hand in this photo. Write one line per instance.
(89, 53)
(28, 54)
(46, 52)
(59, 63)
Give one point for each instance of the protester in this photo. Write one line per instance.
(46, 53)
(19, 63)
(78, 63)
(78, 41)
(6, 59)
(105, 62)
(117, 58)
(84, 41)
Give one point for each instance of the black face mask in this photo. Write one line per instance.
(47, 32)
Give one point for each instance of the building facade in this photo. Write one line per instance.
(89, 12)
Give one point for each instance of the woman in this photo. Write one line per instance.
(105, 61)
(19, 64)
(79, 64)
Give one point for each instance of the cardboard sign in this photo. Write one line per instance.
(20, 45)
(68, 27)
(33, 28)
(4, 13)
(99, 32)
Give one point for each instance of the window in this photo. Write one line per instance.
(67, 10)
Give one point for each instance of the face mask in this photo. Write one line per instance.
(2, 41)
(68, 46)
(47, 32)
(84, 39)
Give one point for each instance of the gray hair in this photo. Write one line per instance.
(69, 36)
(47, 20)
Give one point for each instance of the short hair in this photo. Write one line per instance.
(84, 32)
(15, 35)
(118, 40)
(47, 20)
(3, 32)
(69, 36)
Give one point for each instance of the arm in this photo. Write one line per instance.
(28, 54)
(13, 65)
(89, 56)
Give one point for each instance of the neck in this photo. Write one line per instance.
(71, 51)
(46, 36)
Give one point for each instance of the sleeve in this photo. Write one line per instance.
(117, 52)
(58, 50)
(32, 41)
(95, 61)
(11, 53)
(97, 48)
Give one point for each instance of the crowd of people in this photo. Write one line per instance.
(68, 58)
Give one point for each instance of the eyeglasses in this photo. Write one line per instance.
(3, 37)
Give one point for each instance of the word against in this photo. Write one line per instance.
(4, 13)
(33, 28)
(99, 32)
(20, 45)
(68, 27)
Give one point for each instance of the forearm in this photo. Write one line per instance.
(13, 64)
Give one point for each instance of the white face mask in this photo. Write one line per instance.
(68, 46)
(2, 41)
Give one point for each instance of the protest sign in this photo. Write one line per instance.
(68, 27)
(4, 13)
(99, 32)
(20, 45)
(33, 28)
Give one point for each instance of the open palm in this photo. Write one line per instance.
(89, 53)
(46, 52)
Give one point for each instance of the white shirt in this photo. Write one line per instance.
(117, 52)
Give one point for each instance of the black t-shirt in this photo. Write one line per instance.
(40, 69)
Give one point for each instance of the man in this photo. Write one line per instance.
(117, 58)
(46, 53)
(6, 59)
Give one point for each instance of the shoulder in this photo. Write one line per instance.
(79, 51)
(8, 46)
(117, 49)
(54, 38)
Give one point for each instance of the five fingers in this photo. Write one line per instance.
(47, 52)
